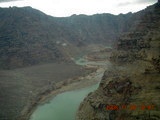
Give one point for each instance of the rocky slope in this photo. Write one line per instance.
(98, 28)
(129, 90)
(29, 37)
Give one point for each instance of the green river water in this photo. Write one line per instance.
(62, 107)
(65, 105)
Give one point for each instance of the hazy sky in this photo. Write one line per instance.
(68, 7)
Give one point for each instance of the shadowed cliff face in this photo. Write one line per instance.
(29, 37)
(129, 90)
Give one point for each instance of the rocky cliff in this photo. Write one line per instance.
(129, 89)
(29, 37)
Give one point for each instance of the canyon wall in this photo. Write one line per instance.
(129, 89)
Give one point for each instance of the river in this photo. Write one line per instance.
(65, 105)
(62, 107)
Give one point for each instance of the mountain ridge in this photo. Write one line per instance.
(29, 37)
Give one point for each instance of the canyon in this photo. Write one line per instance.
(38, 54)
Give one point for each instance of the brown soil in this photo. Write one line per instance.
(22, 88)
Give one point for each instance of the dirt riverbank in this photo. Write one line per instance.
(70, 84)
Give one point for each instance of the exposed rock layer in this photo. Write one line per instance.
(129, 90)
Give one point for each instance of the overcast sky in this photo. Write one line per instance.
(60, 8)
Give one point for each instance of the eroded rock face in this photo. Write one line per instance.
(140, 44)
(123, 92)
(29, 37)
(129, 90)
